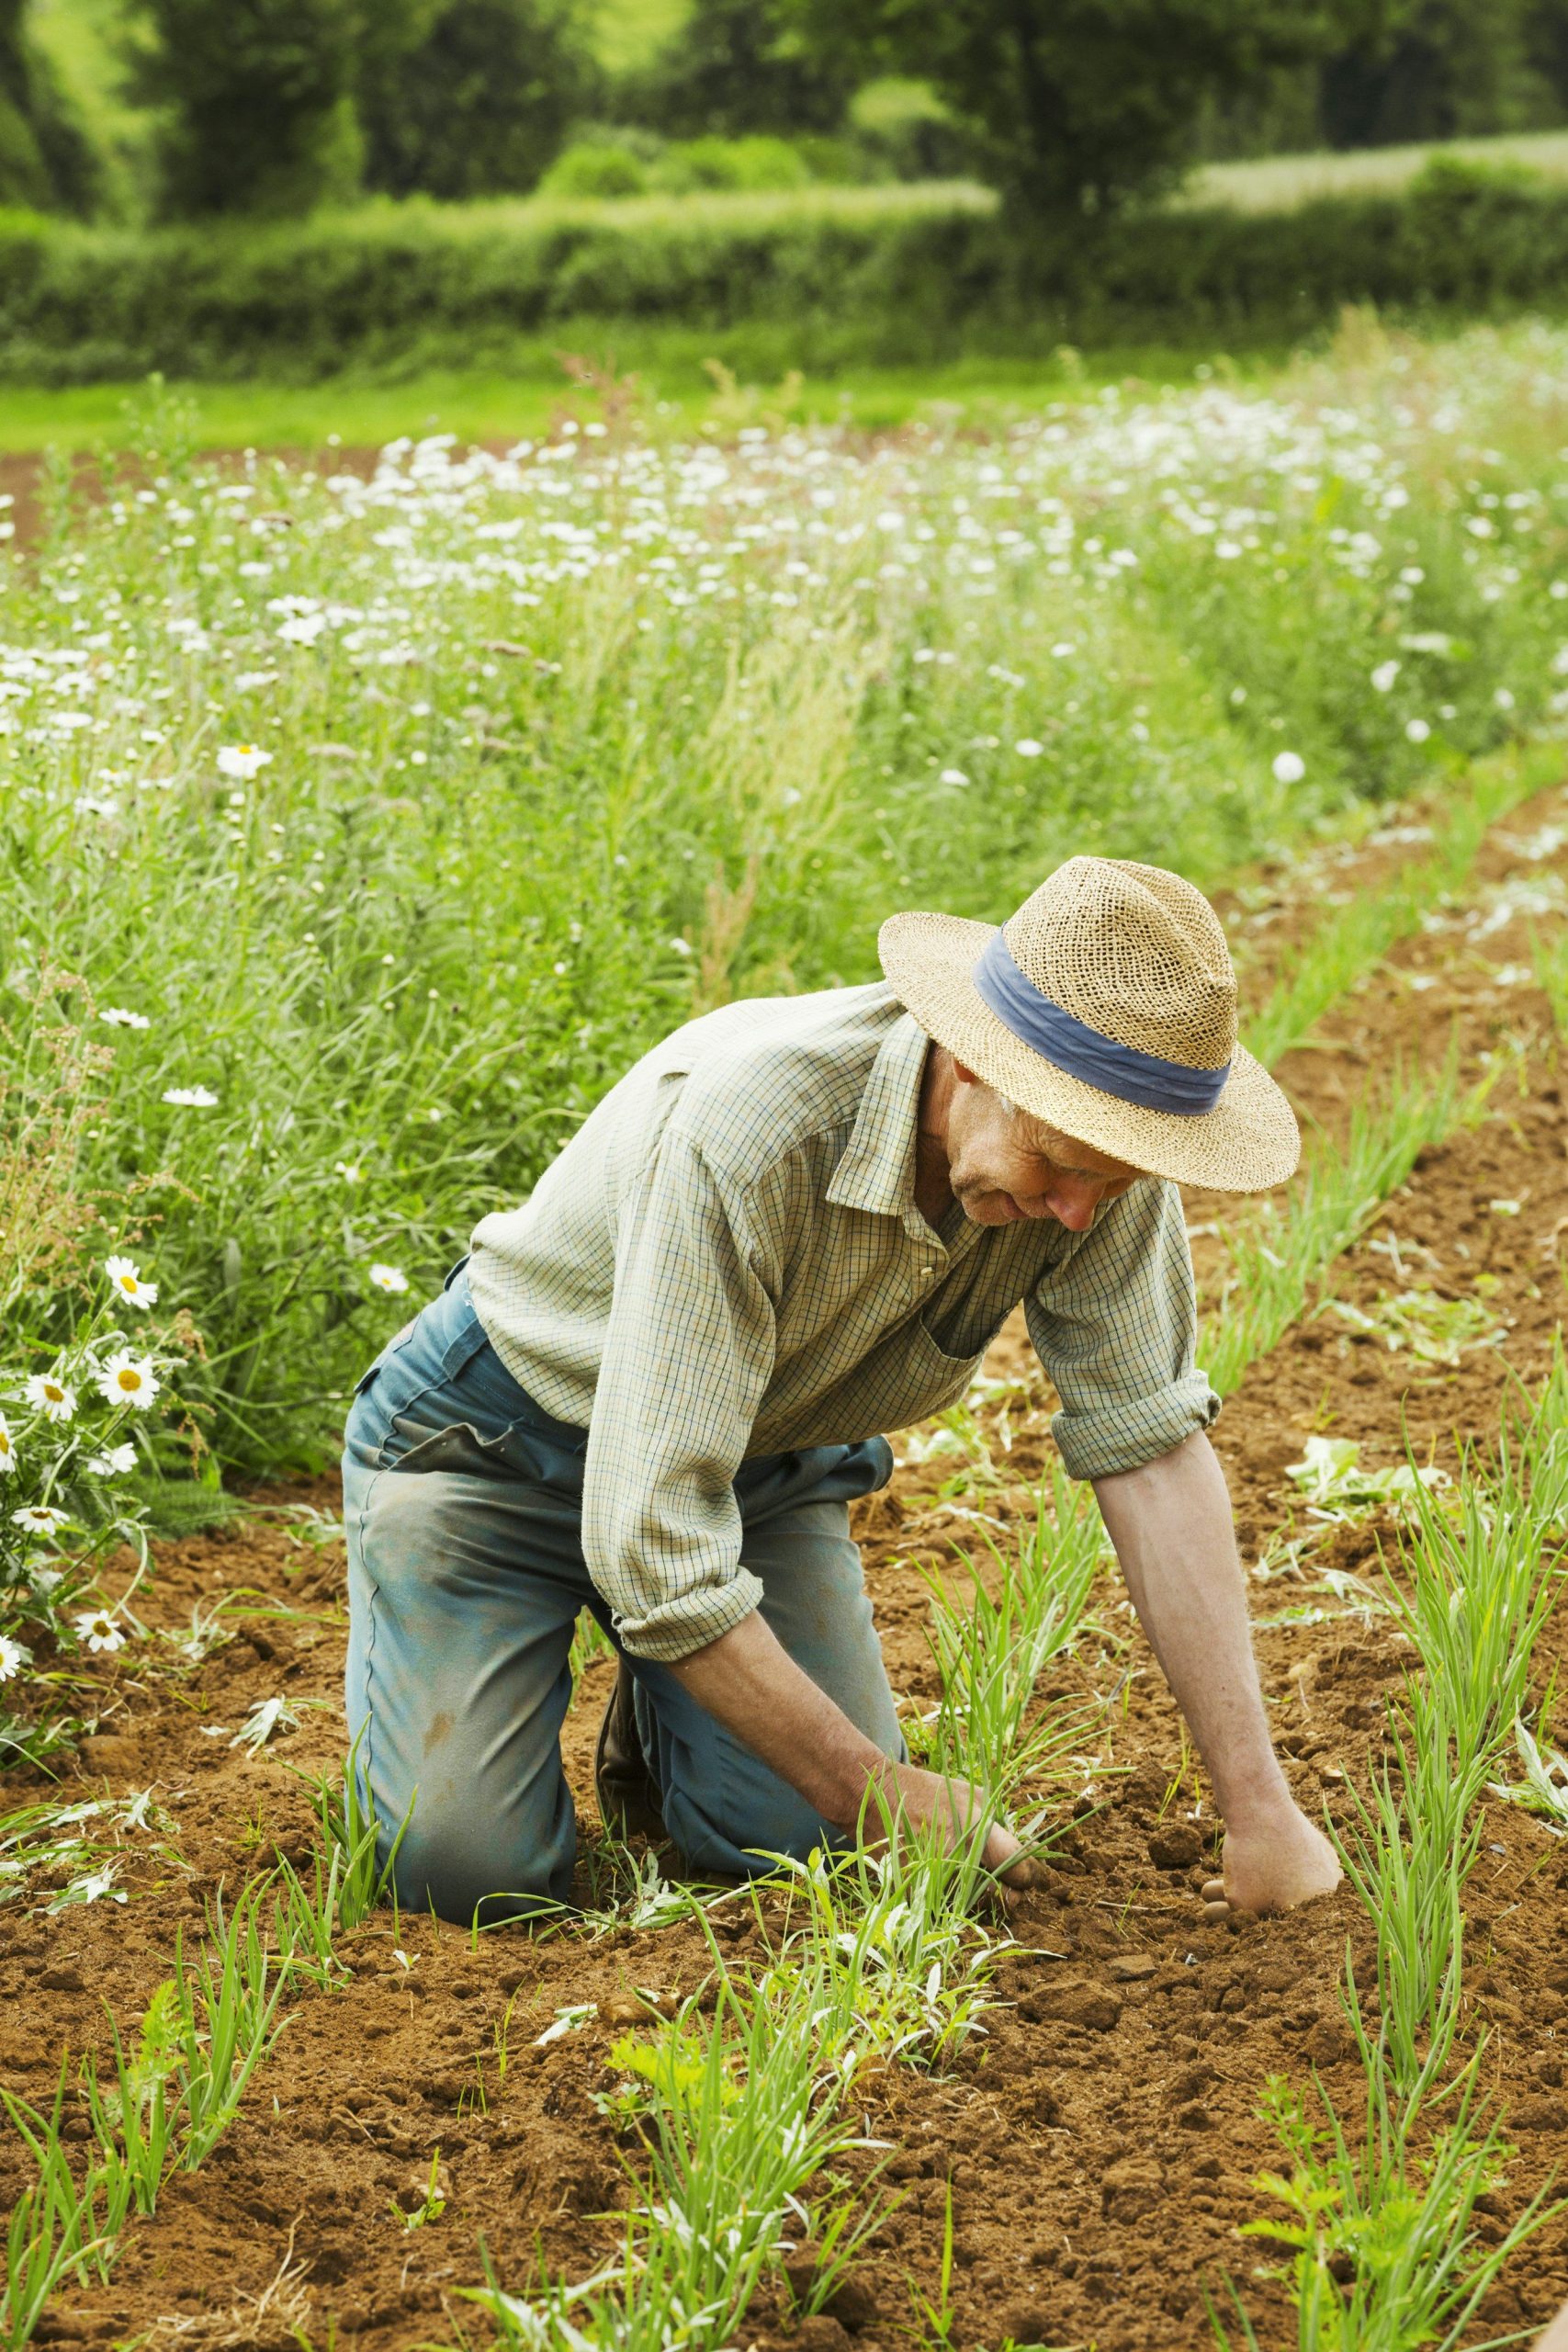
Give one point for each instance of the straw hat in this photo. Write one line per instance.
(1106, 1007)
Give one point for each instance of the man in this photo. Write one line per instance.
(652, 1389)
(1556, 2337)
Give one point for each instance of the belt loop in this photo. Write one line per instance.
(456, 1270)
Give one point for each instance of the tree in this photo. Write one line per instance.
(1430, 69)
(254, 100)
(1073, 106)
(737, 67)
(45, 158)
(465, 97)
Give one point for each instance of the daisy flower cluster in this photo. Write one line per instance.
(68, 1437)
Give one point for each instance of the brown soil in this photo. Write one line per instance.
(1100, 2144)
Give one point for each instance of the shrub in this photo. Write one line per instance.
(830, 275)
(596, 168)
(759, 161)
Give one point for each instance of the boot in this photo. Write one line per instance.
(629, 1803)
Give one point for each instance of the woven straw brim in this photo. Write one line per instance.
(1248, 1142)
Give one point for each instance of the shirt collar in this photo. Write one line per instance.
(877, 1170)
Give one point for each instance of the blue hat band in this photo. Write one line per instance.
(1084, 1053)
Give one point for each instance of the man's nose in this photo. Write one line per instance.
(1072, 1200)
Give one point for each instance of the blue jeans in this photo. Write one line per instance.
(462, 1500)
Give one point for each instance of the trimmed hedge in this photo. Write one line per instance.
(872, 275)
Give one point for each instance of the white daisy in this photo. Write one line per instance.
(123, 1274)
(7, 1451)
(38, 1519)
(350, 1171)
(1289, 767)
(13, 1657)
(128, 1380)
(97, 1629)
(1027, 748)
(49, 1396)
(113, 1462)
(190, 1097)
(389, 1277)
(1418, 729)
(242, 760)
(119, 1018)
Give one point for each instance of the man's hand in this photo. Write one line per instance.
(748, 1683)
(953, 1809)
(1272, 1865)
(1171, 1522)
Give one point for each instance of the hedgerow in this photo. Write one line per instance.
(877, 275)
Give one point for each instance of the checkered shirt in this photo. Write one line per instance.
(727, 1260)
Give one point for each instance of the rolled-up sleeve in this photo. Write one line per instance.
(688, 1351)
(1115, 1325)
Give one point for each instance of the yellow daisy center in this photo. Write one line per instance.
(128, 1379)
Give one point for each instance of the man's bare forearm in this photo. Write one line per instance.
(1170, 1521)
(748, 1683)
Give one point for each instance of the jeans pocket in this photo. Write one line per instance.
(515, 1453)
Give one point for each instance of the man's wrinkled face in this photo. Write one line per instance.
(1003, 1165)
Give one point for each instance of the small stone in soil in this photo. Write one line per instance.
(1132, 1967)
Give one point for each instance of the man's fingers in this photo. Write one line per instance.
(1213, 1890)
(1024, 1872)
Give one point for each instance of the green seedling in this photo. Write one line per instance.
(225, 2015)
(56, 2232)
(432, 2205)
(1277, 1259)
(266, 1718)
(1544, 1788)
(135, 2121)
(898, 1937)
(757, 2117)
(1333, 1480)
(1433, 1330)
(1482, 1571)
(1353, 939)
(1381, 2224)
(353, 1833)
(935, 2320)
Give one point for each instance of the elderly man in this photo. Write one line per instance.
(652, 1390)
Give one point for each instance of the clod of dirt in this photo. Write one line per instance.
(1542, 2113)
(1176, 1848)
(853, 2305)
(1132, 1967)
(821, 2333)
(1329, 2043)
(1073, 2000)
(62, 1980)
(1130, 2189)
(1027, 2322)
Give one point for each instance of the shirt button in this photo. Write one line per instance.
(926, 1272)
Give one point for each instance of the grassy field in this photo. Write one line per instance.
(677, 394)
